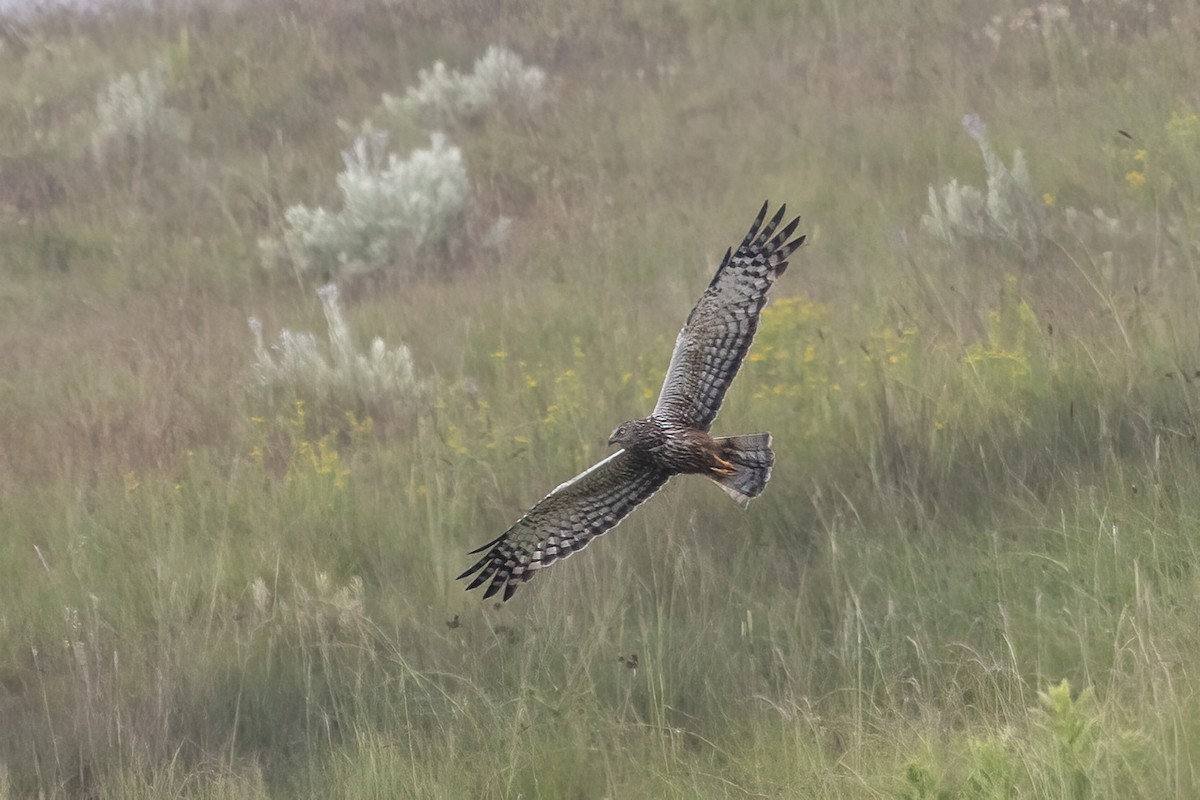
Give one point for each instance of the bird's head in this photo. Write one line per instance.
(622, 435)
(640, 435)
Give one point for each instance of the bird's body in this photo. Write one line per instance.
(674, 438)
(670, 445)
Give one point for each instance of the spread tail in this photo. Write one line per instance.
(752, 459)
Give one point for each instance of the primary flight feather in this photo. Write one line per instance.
(674, 439)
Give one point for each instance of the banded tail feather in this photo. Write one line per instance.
(752, 457)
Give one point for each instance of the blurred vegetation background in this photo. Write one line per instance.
(227, 550)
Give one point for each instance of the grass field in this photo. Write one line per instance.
(973, 573)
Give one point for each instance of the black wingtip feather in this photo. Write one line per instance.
(491, 572)
(479, 579)
(758, 221)
(770, 227)
(487, 546)
(794, 245)
(478, 565)
(783, 235)
(762, 214)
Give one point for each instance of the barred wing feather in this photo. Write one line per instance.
(717, 335)
(565, 521)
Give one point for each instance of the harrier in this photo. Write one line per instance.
(674, 439)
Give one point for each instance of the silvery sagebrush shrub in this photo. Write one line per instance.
(1010, 212)
(298, 361)
(131, 116)
(393, 210)
(1042, 20)
(444, 96)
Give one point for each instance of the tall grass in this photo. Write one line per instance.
(972, 574)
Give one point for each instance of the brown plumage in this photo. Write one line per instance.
(674, 438)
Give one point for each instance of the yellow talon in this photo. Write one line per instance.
(724, 467)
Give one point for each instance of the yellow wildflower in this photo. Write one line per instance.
(1135, 178)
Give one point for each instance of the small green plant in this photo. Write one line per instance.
(446, 97)
(1072, 727)
(1009, 213)
(991, 768)
(1065, 751)
(297, 361)
(922, 781)
(393, 210)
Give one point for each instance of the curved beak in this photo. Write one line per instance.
(611, 441)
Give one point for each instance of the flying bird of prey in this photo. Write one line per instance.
(674, 439)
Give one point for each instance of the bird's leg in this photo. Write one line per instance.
(723, 467)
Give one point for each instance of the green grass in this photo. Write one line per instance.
(987, 471)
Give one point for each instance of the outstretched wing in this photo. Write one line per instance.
(714, 340)
(566, 520)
